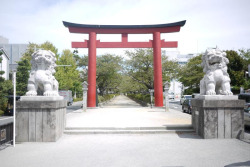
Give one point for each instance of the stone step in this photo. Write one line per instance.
(129, 130)
(168, 127)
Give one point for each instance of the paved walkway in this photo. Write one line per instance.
(128, 150)
(123, 112)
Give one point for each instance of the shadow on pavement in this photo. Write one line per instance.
(188, 135)
(247, 163)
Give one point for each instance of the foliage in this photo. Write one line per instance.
(108, 73)
(105, 98)
(170, 69)
(77, 99)
(191, 74)
(235, 69)
(49, 46)
(6, 88)
(1, 112)
(22, 76)
(128, 85)
(245, 54)
(143, 99)
(68, 76)
(140, 68)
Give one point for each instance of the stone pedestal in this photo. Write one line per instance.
(218, 116)
(40, 119)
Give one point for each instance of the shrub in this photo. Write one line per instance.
(77, 99)
(140, 98)
(105, 97)
(1, 112)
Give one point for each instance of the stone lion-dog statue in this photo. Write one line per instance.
(41, 81)
(216, 80)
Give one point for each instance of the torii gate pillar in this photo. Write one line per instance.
(91, 102)
(158, 91)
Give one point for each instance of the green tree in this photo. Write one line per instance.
(6, 88)
(108, 71)
(245, 54)
(22, 76)
(68, 76)
(140, 68)
(235, 70)
(49, 46)
(191, 74)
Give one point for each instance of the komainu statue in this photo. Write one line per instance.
(41, 81)
(216, 79)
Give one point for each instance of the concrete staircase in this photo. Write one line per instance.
(129, 130)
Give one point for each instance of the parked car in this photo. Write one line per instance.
(247, 114)
(186, 106)
(184, 97)
(9, 109)
(246, 97)
(171, 95)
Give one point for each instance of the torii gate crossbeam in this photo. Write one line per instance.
(92, 44)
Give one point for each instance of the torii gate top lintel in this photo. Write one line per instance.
(126, 29)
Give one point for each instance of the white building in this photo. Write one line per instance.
(4, 65)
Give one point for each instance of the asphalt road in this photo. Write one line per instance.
(175, 105)
(74, 106)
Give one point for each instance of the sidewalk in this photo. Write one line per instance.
(128, 150)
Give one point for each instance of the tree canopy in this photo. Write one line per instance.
(6, 88)
(191, 74)
(139, 67)
(68, 76)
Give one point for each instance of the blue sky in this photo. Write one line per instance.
(222, 23)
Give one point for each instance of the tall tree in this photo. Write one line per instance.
(6, 88)
(191, 74)
(68, 76)
(245, 54)
(22, 76)
(140, 68)
(108, 73)
(235, 69)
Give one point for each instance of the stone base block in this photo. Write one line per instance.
(218, 118)
(40, 121)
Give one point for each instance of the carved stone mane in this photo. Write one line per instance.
(41, 80)
(216, 79)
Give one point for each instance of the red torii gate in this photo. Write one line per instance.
(124, 30)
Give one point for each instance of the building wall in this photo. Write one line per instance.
(4, 66)
(15, 52)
